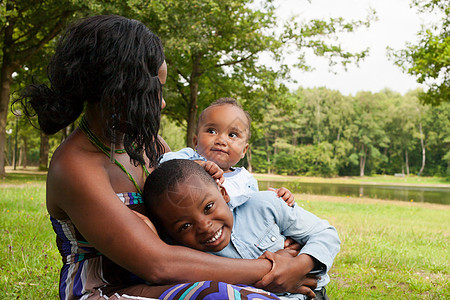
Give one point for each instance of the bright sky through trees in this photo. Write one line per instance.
(397, 24)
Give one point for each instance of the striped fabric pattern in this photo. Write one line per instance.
(83, 266)
(209, 290)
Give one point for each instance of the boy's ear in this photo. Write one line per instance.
(194, 139)
(244, 151)
(224, 193)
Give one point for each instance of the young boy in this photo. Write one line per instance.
(192, 209)
(223, 131)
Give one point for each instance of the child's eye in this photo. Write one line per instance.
(185, 226)
(211, 130)
(233, 135)
(209, 206)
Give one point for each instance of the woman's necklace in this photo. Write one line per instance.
(105, 149)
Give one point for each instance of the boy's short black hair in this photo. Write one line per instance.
(227, 101)
(167, 176)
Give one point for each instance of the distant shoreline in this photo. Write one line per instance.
(411, 180)
(367, 180)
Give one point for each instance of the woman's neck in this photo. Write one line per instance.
(97, 125)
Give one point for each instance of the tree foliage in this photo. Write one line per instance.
(27, 30)
(213, 50)
(322, 132)
(429, 58)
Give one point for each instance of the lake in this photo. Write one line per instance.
(440, 195)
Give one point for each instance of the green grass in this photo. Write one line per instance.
(29, 259)
(389, 250)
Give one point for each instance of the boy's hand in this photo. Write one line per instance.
(213, 169)
(289, 274)
(146, 221)
(291, 246)
(285, 194)
(289, 243)
(287, 252)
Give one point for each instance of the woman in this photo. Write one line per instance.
(113, 68)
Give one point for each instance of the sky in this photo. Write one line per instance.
(397, 24)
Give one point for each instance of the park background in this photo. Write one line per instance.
(245, 50)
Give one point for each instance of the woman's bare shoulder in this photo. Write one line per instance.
(73, 156)
(75, 166)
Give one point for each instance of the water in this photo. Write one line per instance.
(439, 195)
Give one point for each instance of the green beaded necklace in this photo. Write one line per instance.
(105, 149)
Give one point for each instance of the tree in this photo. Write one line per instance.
(370, 134)
(429, 58)
(213, 50)
(26, 28)
(435, 123)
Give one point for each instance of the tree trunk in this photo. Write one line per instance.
(267, 153)
(407, 162)
(43, 152)
(294, 137)
(362, 162)
(318, 124)
(24, 151)
(64, 134)
(20, 160)
(193, 104)
(14, 156)
(275, 151)
(7, 160)
(362, 165)
(422, 144)
(192, 115)
(5, 87)
(249, 160)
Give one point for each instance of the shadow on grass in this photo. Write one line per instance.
(23, 177)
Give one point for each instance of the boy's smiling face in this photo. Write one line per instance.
(196, 215)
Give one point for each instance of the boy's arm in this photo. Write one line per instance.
(319, 238)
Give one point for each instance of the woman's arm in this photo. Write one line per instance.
(84, 193)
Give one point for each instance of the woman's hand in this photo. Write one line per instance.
(288, 273)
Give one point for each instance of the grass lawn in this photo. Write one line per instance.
(390, 250)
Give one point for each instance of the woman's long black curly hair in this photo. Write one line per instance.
(110, 61)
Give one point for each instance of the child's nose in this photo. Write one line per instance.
(220, 139)
(204, 225)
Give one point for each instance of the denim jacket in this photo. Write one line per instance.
(263, 223)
